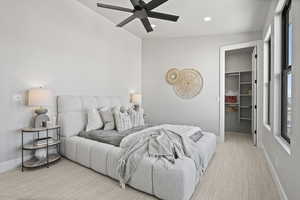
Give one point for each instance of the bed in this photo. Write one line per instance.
(176, 183)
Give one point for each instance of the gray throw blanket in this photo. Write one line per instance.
(112, 137)
(163, 144)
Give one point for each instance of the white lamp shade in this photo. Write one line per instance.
(39, 97)
(136, 99)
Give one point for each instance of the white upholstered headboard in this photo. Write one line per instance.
(71, 111)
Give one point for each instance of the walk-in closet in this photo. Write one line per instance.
(240, 94)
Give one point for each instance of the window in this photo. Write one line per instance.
(269, 82)
(287, 62)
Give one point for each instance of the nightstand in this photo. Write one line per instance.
(41, 143)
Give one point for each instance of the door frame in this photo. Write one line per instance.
(258, 45)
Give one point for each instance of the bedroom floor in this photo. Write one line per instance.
(238, 171)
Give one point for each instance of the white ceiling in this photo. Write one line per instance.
(228, 17)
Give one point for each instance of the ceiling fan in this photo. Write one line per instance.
(142, 11)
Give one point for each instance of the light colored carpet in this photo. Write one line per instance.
(238, 172)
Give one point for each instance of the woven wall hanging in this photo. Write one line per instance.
(187, 83)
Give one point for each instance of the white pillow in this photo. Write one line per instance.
(122, 120)
(137, 117)
(94, 120)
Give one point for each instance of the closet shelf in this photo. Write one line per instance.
(245, 83)
(232, 105)
(245, 118)
(232, 74)
(246, 107)
(239, 71)
(245, 95)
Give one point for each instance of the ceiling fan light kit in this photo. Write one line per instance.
(142, 11)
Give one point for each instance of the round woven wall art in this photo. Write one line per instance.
(189, 83)
(172, 76)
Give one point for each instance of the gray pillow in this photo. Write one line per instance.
(108, 119)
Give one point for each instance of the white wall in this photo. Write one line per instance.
(238, 60)
(202, 53)
(286, 166)
(64, 46)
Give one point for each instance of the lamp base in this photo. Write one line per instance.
(41, 111)
(40, 121)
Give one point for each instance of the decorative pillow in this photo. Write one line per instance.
(107, 118)
(93, 120)
(137, 117)
(122, 120)
(197, 136)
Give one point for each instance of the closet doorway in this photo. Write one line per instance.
(238, 90)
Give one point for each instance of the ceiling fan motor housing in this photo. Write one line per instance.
(140, 13)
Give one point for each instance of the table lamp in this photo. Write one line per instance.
(136, 100)
(40, 97)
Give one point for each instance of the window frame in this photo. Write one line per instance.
(268, 120)
(285, 70)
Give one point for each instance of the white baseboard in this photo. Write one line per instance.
(220, 140)
(275, 177)
(11, 164)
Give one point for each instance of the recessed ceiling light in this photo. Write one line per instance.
(153, 25)
(207, 19)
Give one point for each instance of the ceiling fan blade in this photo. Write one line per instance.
(154, 4)
(136, 4)
(114, 7)
(126, 21)
(143, 4)
(163, 16)
(147, 24)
